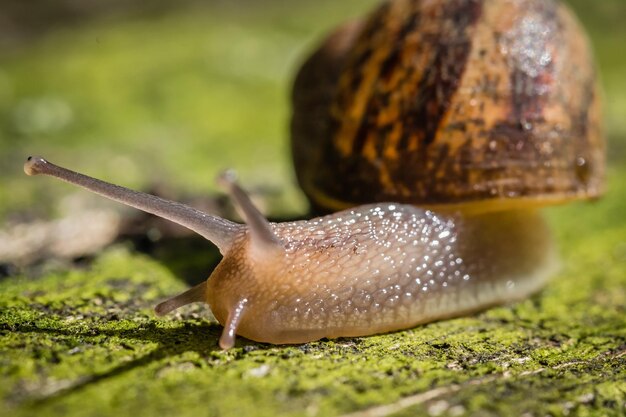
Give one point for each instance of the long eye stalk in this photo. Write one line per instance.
(219, 231)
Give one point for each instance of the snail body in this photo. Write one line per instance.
(372, 269)
(379, 268)
(468, 115)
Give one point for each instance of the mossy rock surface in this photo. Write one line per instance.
(81, 339)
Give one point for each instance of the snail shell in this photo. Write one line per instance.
(469, 105)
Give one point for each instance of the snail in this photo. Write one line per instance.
(438, 191)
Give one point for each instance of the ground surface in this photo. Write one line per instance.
(172, 99)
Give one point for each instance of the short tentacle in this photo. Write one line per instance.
(227, 339)
(192, 295)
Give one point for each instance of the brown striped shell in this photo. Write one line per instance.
(488, 104)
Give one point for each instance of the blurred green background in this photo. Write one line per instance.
(171, 95)
(175, 93)
(172, 92)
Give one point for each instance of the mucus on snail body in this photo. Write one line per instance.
(467, 115)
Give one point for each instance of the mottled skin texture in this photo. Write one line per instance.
(377, 269)
(442, 103)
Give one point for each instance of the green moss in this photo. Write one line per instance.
(84, 341)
